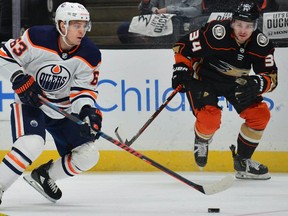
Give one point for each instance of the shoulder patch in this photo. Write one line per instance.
(218, 31)
(262, 40)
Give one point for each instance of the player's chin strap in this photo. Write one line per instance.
(63, 36)
(64, 40)
(216, 187)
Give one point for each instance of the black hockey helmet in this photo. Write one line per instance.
(247, 11)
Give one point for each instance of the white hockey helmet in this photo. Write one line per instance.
(68, 11)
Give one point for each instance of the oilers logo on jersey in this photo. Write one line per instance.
(70, 83)
(53, 77)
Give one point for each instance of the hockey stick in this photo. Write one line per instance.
(216, 187)
(129, 143)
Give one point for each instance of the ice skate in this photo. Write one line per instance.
(40, 180)
(201, 151)
(246, 168)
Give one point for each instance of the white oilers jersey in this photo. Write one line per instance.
(69, 79)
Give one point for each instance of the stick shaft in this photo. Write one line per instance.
(59, 110)
(142, 129)
(209, 189)
(151, 162)
(125, 147)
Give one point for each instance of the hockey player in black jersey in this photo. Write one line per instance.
(229, 58)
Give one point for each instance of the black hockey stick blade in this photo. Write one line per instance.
(151, 119)
(118, 135)
(120, 138)
(216, 187)
(209, 189)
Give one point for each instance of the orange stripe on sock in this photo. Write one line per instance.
(244, 141)
(17, 119)
(16, 160)
(70, 165)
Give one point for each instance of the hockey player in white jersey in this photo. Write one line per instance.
(61, 64)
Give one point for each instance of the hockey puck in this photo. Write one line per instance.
(213, 210)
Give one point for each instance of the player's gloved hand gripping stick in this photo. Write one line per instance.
(249, 87)
(93, 117)
(26, 88)
(216, 187)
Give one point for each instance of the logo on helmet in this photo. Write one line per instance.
(246, 7)
(69, 11)
(247, 11)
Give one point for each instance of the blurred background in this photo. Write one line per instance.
(111, 19)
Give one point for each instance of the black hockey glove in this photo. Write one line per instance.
(249, 87)
(26, 88)
(93, 118)
(181, 76)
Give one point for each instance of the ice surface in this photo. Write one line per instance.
(149, 193)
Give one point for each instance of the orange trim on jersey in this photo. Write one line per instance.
(182, 45)
(18, 120)
(182, 59)
(40, 47)
(70, 165)
(259, 56)
(269, 82)
(16, 160)
(3, 54)
(71, 51)
(79, 57)
(189, 97)
(93, 94)
(84, 60)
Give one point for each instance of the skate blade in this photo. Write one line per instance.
(36, 186)
(200, 168)
(245, 175)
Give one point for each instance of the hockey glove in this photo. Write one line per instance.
(181, 76)
(249, 87)
(26, 88)
(93, 118)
